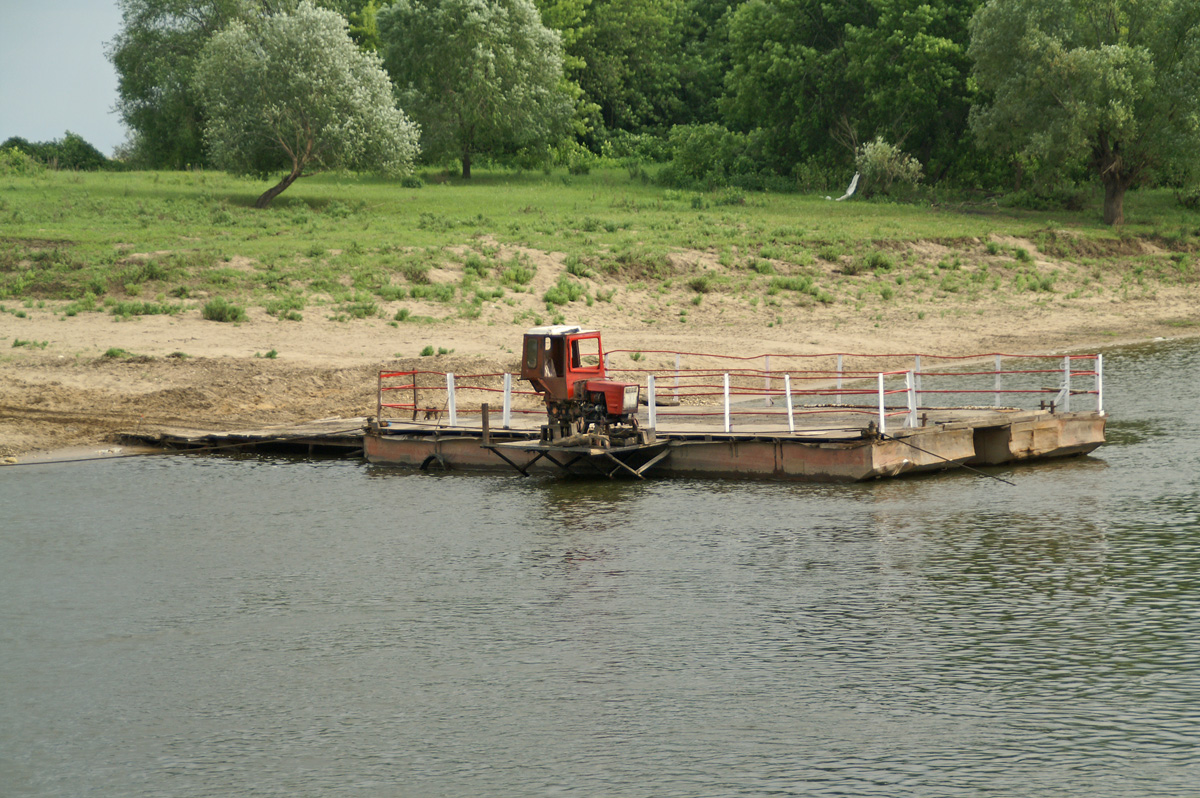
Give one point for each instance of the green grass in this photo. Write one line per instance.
(351, 244)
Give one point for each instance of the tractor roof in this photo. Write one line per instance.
(557, 329)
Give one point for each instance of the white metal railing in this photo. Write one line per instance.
(837, 391)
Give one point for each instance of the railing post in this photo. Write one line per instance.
(787, 389)
(728, 427)
(450, 404)
(917, 380)
(767, 380)
(839, 380)
(1066, 383)
(507, 419)
(998, 384)
(379, 400)
(651, 402)
(882, 407)
(910, 382)
(1100, 384)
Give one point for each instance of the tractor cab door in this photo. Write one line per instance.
(544, 364)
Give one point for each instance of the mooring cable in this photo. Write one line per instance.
(887, 437)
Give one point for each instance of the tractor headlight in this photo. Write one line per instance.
(630, 405)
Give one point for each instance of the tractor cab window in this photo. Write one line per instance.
(555, 350)
(532, 345)
(585, 353)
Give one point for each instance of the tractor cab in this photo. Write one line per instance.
(555, 358)
(565, 363)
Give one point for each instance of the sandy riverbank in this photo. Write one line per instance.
(58, 389)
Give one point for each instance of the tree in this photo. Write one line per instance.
(788, 73)
(1108, 83)
(911, 63)
(293, 92)
(478, 75)
(631, 50)
(155, 56)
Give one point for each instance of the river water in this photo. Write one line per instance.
(188, 626)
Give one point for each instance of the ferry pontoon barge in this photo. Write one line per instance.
(834, 417)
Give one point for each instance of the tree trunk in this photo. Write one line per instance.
(1114, 201)
(273, 192)
(466, 162)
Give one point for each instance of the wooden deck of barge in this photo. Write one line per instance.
(337, 437)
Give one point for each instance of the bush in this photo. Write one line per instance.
(14, 161)
(564, 291)
(1189, 197)
(885, 166)
(219, 309)
(1066, 197)
(69, 152)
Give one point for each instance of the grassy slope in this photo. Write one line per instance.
(137, 243)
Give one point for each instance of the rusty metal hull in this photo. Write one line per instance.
(1026, 436)
(1038, 437)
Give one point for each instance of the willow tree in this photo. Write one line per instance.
(480, 76)
(292, 93)
(1107, 83)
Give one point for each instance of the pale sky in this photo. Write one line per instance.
(53, 73)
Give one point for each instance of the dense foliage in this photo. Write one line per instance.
(69, 152)
(769, 93)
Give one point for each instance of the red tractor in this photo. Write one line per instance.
(565, 364)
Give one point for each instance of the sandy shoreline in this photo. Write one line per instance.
(58, 389)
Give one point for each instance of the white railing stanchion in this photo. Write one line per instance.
(651, 402)
(1066, 402)
(451, 407)
(767, 381)
(917, 380)
(728, 426)
(507, 422)
(999, 385)
(677, 369)
(910, 384)
(1100, 384)
(882, 407)
(839, 381)
(787, 389)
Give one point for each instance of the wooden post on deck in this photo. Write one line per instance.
(487, 424)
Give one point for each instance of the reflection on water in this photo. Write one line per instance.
(195, 627)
